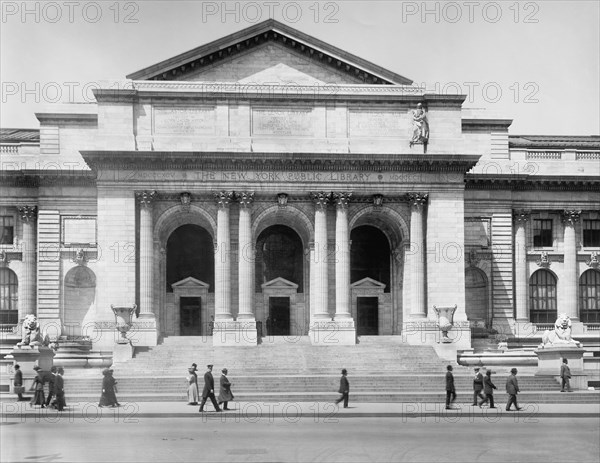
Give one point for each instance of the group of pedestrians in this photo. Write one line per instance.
(208, 391)
(56, 387)
(483, 389)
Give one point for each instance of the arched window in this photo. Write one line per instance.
(9, 286)
(589, 296)
(542, 297)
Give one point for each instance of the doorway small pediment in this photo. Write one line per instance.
(190, 283)
(368, 283)
(279, 284)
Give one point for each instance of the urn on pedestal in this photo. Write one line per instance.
(123, 318)
(445, 320)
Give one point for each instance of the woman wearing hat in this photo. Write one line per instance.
(38, 388)
(192, 380)
(225, 394)
(108, 397)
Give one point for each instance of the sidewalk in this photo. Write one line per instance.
(319, 411)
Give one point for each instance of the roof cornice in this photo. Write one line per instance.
(531, 183)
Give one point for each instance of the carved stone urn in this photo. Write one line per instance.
(445, 320)
(123, 317)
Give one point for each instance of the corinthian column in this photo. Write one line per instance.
(222, 261)
(319, 294)
(521, 279)
(570, 285)
(417, 256)
(245, 258)
(146, 200)
(342, 264)
(27, 285)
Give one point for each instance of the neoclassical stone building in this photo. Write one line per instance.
(271, 180)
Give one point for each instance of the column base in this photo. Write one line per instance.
(235, 333)
(144, 332)
(332, 333)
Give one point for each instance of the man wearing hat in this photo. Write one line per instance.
(477, 386)
(512, 389)
(209, 390)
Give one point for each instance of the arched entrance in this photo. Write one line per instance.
(370, 271)
(476, 297)
(189, 266)
(279, 268)
(80, 296)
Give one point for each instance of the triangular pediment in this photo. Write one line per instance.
(279, 283)
(270, 53)
(367, 283)
(189, 283)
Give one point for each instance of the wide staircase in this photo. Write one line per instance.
(380, 369)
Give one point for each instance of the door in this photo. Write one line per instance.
(278, 323)
(189, 316)
(368, 316)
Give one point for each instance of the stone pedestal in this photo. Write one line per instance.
(332, 333)
(428, 333)
(28, 357)
(122, 352)
(235, 333)
(550, 360)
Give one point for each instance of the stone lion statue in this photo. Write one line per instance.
(561, 336)
(31, 335)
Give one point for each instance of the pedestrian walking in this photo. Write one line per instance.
(225, 394)
(512, 389)
(209, 390)
(565, 376)
(60, 389)
(18, 387)
(488, 389)
(38, 388)
(477, 386)
(450, 391)
(192, 381)
(51, 380)
(344, 389)
(109, 389)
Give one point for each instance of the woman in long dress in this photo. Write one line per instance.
(192, 392)
(108, 397)
(225, 394)
(38, 388)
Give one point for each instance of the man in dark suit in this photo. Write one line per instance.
(59, 390)
(209, 390)
(488, 389)
(450, 391)
(565, 376)
(51, 385)
(477, 386)
(512, 389)
(18, 383)
(344, 389)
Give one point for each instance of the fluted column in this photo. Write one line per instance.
(27, 284)
(521, 278)
(146, 200)
(342, 264)
(222, 261)
(417, 256)
(319, 299)
(245, 258)
(570, 282)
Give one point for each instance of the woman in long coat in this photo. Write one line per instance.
(225, 394)
(38, 388)
(108, 397)
(192, 392)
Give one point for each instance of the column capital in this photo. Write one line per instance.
(320, 199)
(245, 198)
(417, 200)
(521, 216)
(570, 217)
(146, 198)
(27, 213)
(342, 199)
(223, 198)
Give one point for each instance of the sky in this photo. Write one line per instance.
(537, 63)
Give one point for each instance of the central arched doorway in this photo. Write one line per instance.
(279, 277)
(190, 272)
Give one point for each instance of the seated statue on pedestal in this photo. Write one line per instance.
(31, 335)
(561, 336)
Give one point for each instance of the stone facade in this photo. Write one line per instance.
(272, 138)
